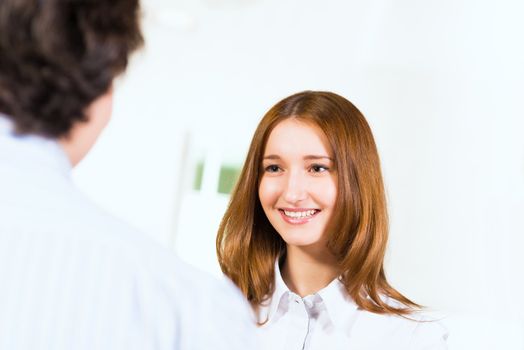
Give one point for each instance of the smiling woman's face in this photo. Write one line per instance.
(298, 187)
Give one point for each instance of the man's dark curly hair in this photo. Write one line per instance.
(58, 56)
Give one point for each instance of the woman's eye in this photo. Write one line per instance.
(272, 168)
(319, 168)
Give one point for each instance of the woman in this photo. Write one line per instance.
(305, 234)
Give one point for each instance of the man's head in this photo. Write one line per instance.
(58, 59)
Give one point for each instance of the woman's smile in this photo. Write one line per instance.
(298, 216)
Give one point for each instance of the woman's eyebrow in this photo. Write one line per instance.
(315, 157)
(272, 156)
(307, 157)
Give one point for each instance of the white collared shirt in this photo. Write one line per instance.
(331, 320)
(73, 277)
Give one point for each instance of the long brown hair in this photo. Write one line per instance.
(248, 245)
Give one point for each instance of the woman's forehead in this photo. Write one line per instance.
(296, 136)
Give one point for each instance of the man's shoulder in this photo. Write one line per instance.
(86, 221)
(135, 248)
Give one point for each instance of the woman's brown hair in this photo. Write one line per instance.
(248, 245)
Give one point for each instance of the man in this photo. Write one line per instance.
(72, 277)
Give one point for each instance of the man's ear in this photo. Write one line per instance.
(83, 135)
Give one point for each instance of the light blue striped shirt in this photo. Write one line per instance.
(72, 277)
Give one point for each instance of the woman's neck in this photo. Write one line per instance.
(306, 272)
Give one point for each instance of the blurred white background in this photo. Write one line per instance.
(441, 83)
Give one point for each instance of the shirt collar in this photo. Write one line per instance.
(279, 298)
(338, 304)
(31, 150)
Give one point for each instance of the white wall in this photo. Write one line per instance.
(441, 83)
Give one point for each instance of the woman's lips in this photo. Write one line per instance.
(296, 216)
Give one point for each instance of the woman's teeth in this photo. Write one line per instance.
(300, 214)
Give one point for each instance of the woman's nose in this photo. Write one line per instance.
(295, 188)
